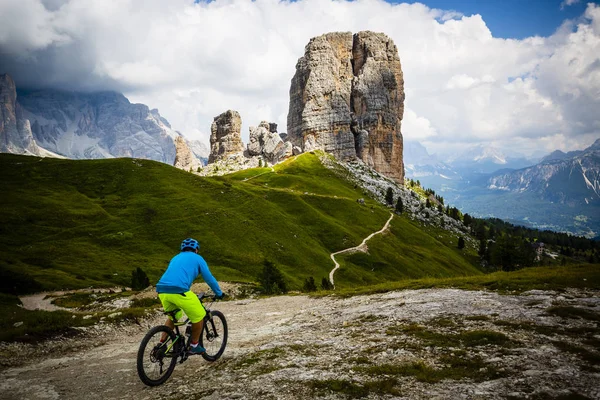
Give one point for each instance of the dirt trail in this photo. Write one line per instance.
(40, 301)
(292, 347)
(361, 247)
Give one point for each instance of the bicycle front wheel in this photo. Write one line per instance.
(155, 360)
(214, 336)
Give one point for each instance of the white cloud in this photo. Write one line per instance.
(194, 61)
(567, 3)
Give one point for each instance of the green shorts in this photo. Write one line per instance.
(188, 302)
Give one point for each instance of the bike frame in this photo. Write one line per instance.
(178, 336)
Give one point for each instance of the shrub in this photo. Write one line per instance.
(139, 279)
(399, 206)
(389, 196)
(326, 284)
(271, 279)
(309, 285)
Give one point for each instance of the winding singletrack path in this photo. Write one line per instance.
(361, 247)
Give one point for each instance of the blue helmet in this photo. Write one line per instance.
(191, 243)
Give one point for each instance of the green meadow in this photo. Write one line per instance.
(70, 224)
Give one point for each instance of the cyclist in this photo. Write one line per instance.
(174, 290)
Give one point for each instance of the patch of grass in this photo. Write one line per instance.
(585, 354)
(477, 318)
(18, 324)
(370, 318)
(9, 300)
(356, 390)
(454, 367)
(23, 325)
(443, 322)
(583, 276)
(573, 312)
(472, 338)
(74, 300)
(259, 357)
(552, 396)
(575, 332)
(304, 349)
(360, 360)
(146, 302)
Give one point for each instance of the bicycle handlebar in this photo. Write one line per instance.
(213, 297)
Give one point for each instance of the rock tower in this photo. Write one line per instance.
(347, 98)
(225, 136)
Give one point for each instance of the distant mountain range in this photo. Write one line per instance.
(81, 125)
(561, 192)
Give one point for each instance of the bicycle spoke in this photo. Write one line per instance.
(156, 359)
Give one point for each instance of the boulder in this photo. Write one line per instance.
(265, 142)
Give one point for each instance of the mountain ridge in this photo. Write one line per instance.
(85, 125)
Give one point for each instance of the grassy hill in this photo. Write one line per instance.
(73, 224)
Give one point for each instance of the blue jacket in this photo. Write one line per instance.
(183, 269)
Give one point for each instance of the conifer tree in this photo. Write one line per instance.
(271, 279)
(389, 196)
(399, 206)
(139, 279)
(326, 284)
(309, 285)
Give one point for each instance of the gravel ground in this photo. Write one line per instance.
(421, 344)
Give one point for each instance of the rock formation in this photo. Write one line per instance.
(184, 157)
(347, 98)
(225, 137)
(267, 143)
(15, 130)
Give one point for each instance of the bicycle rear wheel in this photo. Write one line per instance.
(155, 360)
(214, 336)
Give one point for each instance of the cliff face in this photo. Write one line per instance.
(347, 98)
(15, 130)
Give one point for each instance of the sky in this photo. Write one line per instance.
(521, 76)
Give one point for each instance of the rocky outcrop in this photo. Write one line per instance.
(347, 98)
(184, 157)
(225, 137)
(15, 129)
(266, 143)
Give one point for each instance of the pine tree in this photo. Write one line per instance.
(309, 285)
(271, 279)
(389, 196)
(326, 284)
(482, 248)
(139, 279)
(399, 206)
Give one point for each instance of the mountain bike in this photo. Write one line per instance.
(156, 360)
